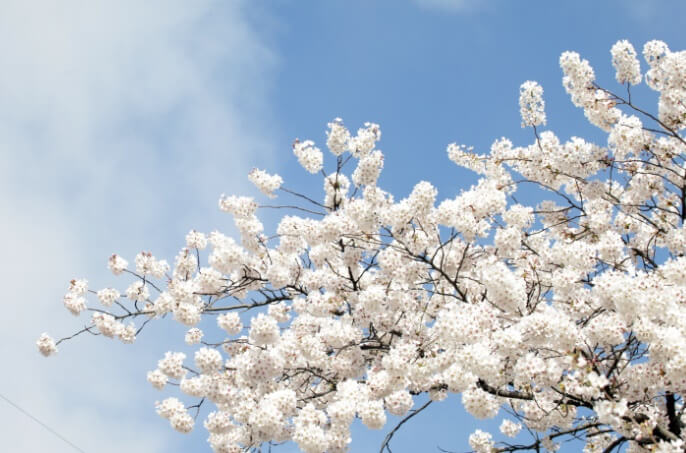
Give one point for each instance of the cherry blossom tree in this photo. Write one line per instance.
(567, 318)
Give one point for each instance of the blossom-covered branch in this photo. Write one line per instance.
(569, 317)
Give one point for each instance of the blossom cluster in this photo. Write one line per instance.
(531, 104)
(570, 314)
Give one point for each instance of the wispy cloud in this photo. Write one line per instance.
(120, 123)
(447, 5)
(644, 13)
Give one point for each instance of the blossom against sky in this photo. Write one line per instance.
(121, 124)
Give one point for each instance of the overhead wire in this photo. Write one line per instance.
(25, 412)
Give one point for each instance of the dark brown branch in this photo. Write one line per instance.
(615, 443)
(504, 393)
(390, 435)
(674, 420)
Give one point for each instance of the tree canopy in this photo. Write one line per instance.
(566, 318)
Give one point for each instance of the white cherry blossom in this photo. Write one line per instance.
(564, 316)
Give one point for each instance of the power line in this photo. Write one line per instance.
(41, 423)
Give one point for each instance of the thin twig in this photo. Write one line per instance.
(291, 207)
(389, 436)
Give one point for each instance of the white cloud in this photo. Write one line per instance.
(120, 124)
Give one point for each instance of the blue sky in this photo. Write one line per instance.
(122, 122)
